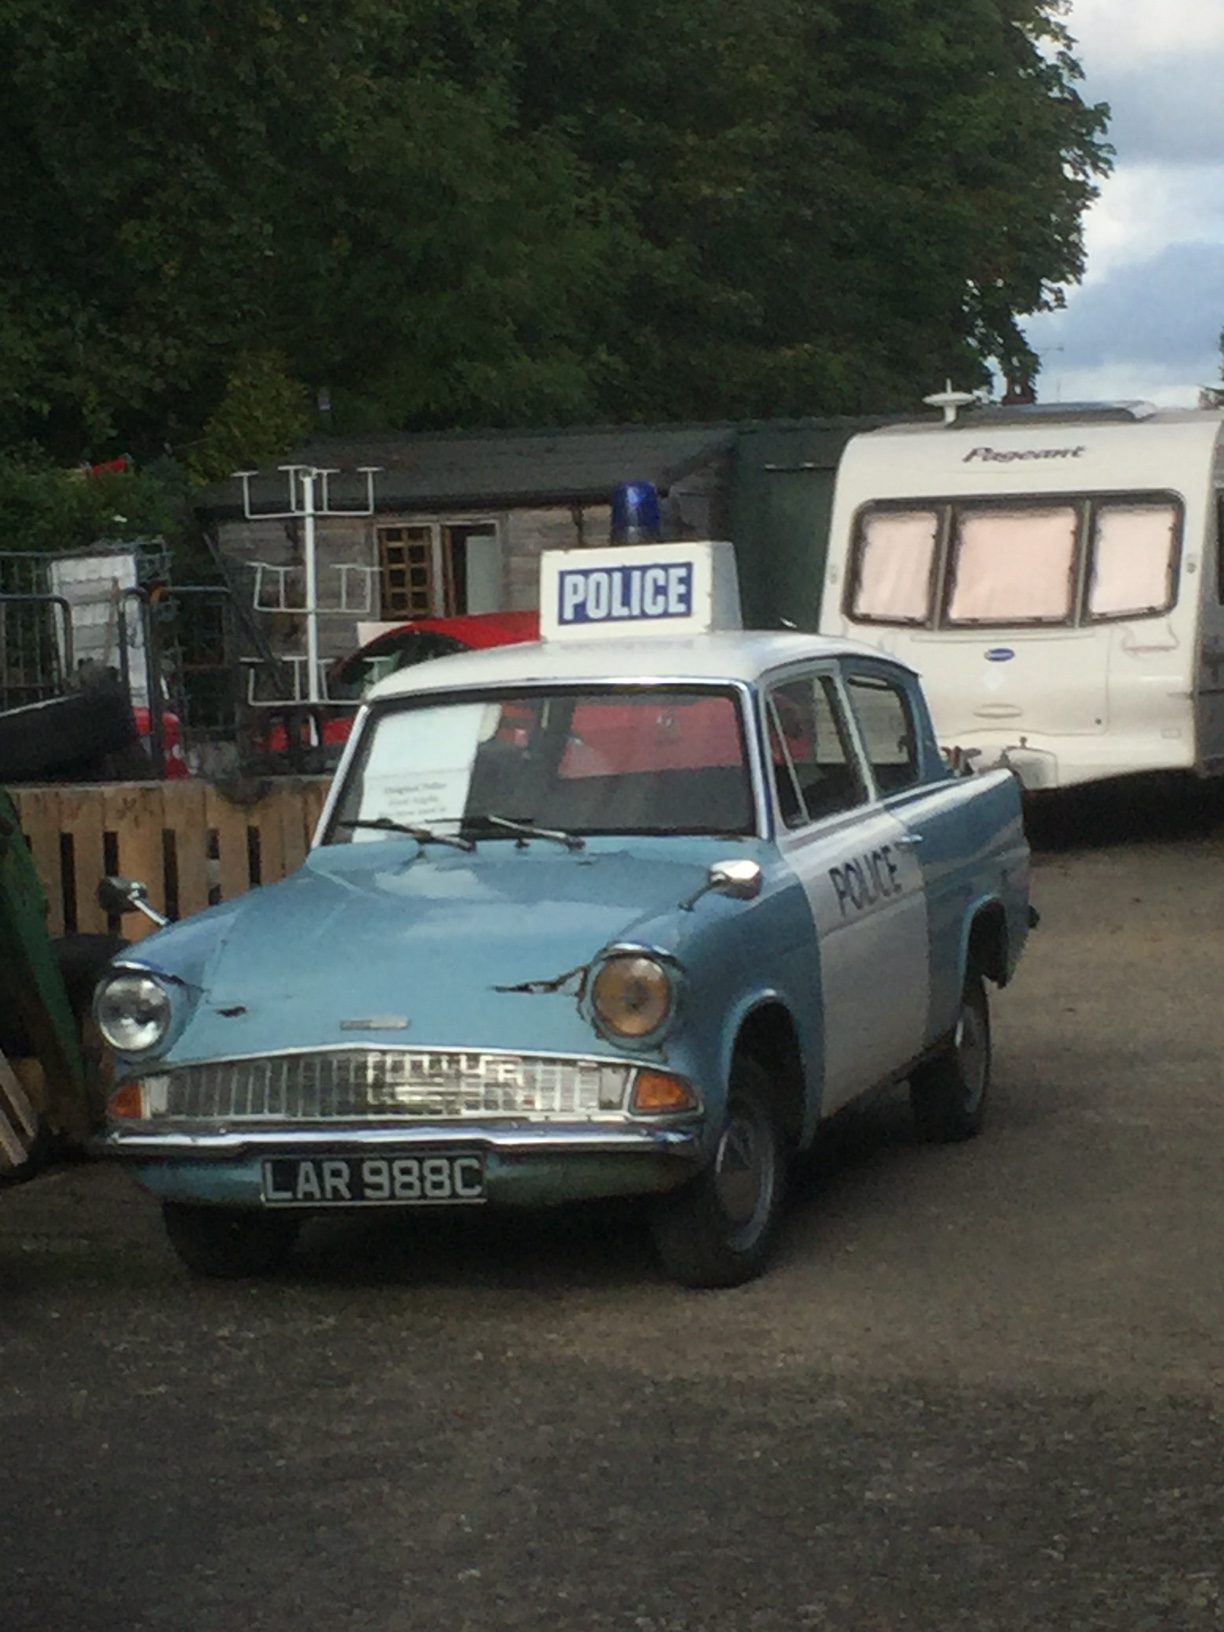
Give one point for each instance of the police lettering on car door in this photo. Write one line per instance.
(865, 880)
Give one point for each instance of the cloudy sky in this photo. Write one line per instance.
(1146, 320)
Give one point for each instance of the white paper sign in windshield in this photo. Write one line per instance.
(638, 589)
(420, 765)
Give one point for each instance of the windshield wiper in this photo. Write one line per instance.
(526, 830)
(423, 835)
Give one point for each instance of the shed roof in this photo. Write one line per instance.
(581, 464)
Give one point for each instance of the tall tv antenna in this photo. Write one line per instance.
(309, 499)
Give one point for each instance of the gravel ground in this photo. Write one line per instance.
(980, 1389)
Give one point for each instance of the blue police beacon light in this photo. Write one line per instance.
(635, 514)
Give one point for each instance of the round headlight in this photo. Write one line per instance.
(133, 1012)
(632, 995)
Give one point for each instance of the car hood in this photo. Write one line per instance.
(383, 943)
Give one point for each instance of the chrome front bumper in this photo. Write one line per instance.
(144, 1142)
(526, 1165)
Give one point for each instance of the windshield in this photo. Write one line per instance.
(613, 760)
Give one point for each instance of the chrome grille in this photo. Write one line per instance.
(348, 1084)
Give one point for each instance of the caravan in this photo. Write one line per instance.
(1054, 573)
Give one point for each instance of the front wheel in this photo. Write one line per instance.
(719, 1229)
(229, 1243)
(948, 1093)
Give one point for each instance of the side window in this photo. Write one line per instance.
(1134, 557)
(815, 770)
(1013, 566)
(887, 725)
(894, 566)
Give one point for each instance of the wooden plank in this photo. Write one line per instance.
(18, 1119)
(266, 817)
(81, 818)
(41, 824)
(137, 814)
(31, 986)
(134, 813)
(187, 818)
(314, 795)
(40, 821)
(233, 862)
(292, 812)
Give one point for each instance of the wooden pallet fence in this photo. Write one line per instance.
(190, 843)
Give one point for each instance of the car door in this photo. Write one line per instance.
(858, 867)
(899, 745)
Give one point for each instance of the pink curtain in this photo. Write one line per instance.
(1013, 566)
(1132, 553)
(896, 554)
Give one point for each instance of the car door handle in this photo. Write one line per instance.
(908, 841)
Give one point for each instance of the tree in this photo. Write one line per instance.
(501, 212)
(843, 200)
(340, 184)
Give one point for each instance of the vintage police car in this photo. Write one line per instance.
(627, 911)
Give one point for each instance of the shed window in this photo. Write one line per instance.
(1013, 566)
(896, 559)
(1132, 560)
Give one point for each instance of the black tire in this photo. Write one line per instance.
(229, 1243)
(949, 1092)
(719, 1229)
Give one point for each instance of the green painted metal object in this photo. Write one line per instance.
(34, 1004)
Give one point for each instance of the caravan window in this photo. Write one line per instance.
(1013, 566)
(1133, 557)
(1051, 559)
(895, 567)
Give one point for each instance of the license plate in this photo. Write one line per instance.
(373, 1181)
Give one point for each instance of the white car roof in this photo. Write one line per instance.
(740, 655)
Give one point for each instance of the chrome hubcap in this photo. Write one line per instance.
(972, 1055)
(744, 1173)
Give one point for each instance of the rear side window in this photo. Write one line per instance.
(1134, 557)
(815, 767)
(886, 724)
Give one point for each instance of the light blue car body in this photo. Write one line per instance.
(389, 945)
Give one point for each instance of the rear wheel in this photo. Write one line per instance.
(719, 1229)
(229, 1243)
(948, 1093)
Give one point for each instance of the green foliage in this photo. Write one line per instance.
(51, 510)
(262, 413)
(845, 200)
(500, 212)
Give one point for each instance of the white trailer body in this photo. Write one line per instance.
(1055, 576)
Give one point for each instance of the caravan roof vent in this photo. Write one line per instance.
(1054, 412)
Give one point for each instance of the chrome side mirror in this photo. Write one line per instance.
(738, 878)
(119, 895)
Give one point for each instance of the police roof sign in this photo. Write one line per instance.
(638, 589)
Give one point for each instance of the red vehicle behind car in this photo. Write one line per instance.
(349, 678)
